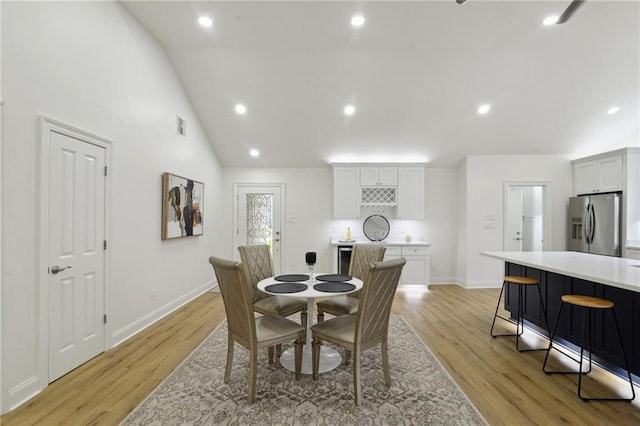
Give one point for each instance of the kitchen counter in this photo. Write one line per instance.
(612, 271)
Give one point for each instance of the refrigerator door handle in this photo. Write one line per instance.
(585, 228)
(592, 226)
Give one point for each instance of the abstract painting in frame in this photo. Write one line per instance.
(182, 206)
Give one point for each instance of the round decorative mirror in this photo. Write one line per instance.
(376, 227)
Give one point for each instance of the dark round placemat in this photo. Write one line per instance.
(286, 288)
(331, 287)
(333, 278)
(290, 278)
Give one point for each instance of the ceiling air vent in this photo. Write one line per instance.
(182, 126)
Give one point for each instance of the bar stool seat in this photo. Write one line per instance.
(589, 304)
(521, 282)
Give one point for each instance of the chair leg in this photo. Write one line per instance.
(347, 357)
(304, 317)
(270, 354)
(278, 351)
(356, 376)
(624, 358)
(385, 362)
(315, 359)
(227, 368)
(551, 347)
(299, 343)
(253, 370)
(495, 315)
(320, 314)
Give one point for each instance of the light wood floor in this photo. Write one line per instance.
(508, 387)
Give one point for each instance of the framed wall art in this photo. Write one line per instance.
(182, 206)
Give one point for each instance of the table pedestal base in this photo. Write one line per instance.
(329, 359)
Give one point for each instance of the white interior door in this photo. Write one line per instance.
(259, 218)
(75, 252)
(525, 212)
(513, 220)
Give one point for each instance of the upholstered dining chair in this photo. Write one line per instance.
(257, 265)
(248, 330)
(361, 257)
(369, 326)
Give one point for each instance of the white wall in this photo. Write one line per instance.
(309, 199)
(485, 178)
(90, 65)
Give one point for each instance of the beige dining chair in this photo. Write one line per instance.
(257, 265)
(361, 257)
(248, 330)
(369, 326)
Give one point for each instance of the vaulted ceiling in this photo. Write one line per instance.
(416, 73)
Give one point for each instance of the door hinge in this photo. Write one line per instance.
(105, 170)
(105, 244)
(105, 318)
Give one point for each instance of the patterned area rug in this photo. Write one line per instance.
(421, 392)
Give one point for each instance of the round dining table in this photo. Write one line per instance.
(329, 357)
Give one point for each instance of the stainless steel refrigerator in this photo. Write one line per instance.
(595, 224)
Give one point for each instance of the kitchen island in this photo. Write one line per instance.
(613, 278)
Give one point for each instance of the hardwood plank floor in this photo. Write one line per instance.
(508, 387)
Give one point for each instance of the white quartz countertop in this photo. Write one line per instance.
(378, 243)
(614, 271)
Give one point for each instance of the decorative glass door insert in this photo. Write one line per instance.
(259, 219)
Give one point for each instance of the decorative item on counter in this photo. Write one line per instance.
(408, 238)
(348, 234)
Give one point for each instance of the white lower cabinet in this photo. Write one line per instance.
(416, 270)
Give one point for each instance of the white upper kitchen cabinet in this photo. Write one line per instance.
(346, 193)
(410, 193)
(378, 176)
(604, 174)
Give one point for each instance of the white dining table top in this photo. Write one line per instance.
(310, 292)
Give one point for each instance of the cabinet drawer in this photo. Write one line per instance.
(414, 251)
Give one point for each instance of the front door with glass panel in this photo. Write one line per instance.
(258, 218)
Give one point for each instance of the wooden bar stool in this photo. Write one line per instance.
(589, 304)
(522, 283)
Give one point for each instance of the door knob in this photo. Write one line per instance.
(56, 269)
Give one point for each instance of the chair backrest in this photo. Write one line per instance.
(361, 257)
(376, 297)
(257, 265)
(237, 296)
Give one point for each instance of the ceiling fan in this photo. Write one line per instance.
(569, 11)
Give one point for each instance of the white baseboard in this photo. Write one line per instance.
(482, 284)
(137, 326)
(21, 393)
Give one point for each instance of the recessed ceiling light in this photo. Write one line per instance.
(357, 21)
(613, 110)
(254, 153)
(349, 110)
(550, 20)
(483, 109)
(241, 109)
(205, 21)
